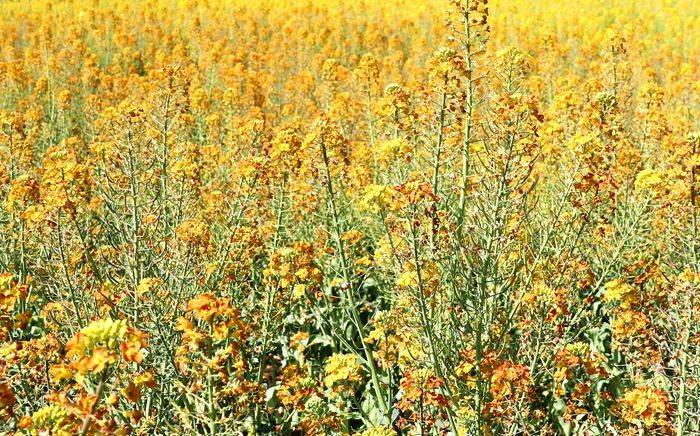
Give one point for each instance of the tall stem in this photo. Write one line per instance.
(352, 308)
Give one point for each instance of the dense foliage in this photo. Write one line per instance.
(338, 217)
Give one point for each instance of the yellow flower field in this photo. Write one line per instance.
(394, 217)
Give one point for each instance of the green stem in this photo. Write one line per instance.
(347, 279)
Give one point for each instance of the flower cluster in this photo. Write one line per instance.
(462, 217)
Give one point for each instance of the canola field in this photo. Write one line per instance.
(358, 217)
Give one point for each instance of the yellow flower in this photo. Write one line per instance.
(406, 279)
(541, 293)
(148, 284)
(54, 420)
(342, 369)
(299, 290)
(649, 180)
(390, 150)
(619, 291)
(101, 343)
(629, 323)
(60, 372)
(105, 333)
(23, 190)
(9, 294)
(378, 431)
(194, 233)
(644, 406)
(375, 198)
